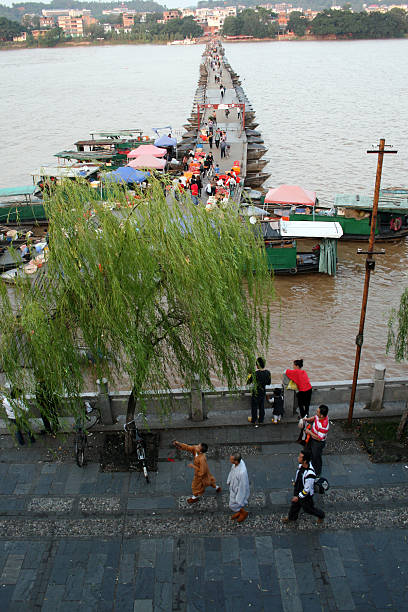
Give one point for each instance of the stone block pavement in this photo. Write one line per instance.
(81, 539)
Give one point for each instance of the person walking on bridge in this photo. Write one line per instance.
(303, 490)
(238, 483)
(202, 475)
(318, 434)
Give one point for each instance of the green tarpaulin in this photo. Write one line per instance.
(328, 256)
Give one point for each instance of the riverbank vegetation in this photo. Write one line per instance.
(154, 289)
(261, 23)
(147, 32)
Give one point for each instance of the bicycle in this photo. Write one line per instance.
(139, 444)
(81, 434)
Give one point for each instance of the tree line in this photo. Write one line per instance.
(149, 31)
(345, 24)
(260, 23)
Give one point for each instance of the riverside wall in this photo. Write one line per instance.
(377, 396)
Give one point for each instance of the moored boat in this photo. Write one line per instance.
(352, 211)
(21, 204)
(282, 251)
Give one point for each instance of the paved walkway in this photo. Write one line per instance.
(81, 539)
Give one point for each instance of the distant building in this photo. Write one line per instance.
(128, 20)
(39, 33)
(21, 38)
(169, 15)
(47, 22)
(72, 26)
(55, 12)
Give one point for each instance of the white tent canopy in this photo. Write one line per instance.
(310, 229)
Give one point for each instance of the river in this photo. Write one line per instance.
(320, 106)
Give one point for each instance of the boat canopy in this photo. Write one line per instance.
(93, 142)
(118, 134)
(147, 161)
(389, 201)
(291, 194)
(310, 229)
(26, 190)
(65, 171)
(165, 141)
(147, 150)
(86, 155)
(125, 174)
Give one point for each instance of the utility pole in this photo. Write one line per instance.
(369, 267)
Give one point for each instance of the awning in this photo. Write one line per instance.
(165, 141)
(291, 194)
(147, 150)
(80, 171)
(124, 175)
(147, 161)
(310, 229)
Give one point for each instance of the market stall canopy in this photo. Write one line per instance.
(147, 150)
(147, 161)
(125, 174)
(291, 194)
(310, 229)
(165, 141)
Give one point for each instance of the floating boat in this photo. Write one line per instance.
(282, 251)
(255, 140)
(256, 165)
(353, 212)
(256, 180)
(21, 204)
(255, 151)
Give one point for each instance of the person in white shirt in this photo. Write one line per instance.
(15, 408)
(239, 488)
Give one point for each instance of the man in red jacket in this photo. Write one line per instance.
(318, 434)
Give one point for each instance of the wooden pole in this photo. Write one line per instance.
(369, 267)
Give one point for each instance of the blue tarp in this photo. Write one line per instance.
(125, 175)
(165, 141)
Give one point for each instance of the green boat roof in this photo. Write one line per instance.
(117, 134)
(6, 192)
(87, 155)
(389, 201)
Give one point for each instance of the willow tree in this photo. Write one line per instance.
(155, 289)
(398, 329)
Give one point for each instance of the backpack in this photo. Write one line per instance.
(208, 189)
(321, 485)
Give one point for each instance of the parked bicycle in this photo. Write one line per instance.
(83, 424)
(139, 443)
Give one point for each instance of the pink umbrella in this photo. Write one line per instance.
(147, 161)
(290, 194)
(147, 150)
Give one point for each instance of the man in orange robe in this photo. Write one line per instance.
(202, 475)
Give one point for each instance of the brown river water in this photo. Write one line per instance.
(320, 106)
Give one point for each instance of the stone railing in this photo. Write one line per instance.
(373, 396)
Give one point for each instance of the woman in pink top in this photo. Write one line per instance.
(304, 394)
